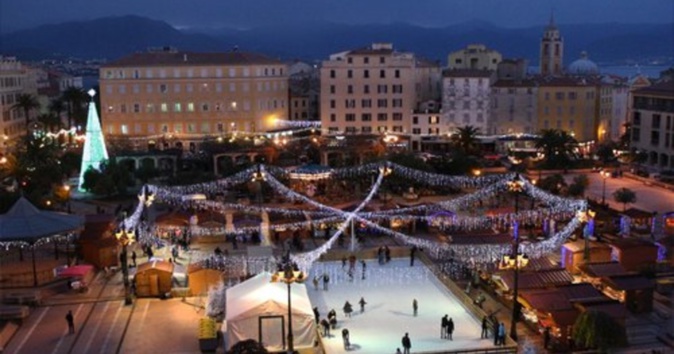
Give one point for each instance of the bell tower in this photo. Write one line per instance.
(552, 50)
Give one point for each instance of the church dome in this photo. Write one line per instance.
(583, 66)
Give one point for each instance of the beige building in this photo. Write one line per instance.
(513, 108)
(612, 107)
(466, 99)
(476, 57)
(15, 79)
(570, 104)
(552, 51)
(183, 94)
(373, 90)
(653, 123)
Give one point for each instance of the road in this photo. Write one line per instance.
(649, 198)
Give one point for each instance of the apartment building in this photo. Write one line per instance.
(15, 79)
(652, 123)
(612, 107)
(466, 98)
(373, 90)
(304, 90)
(476, 57)
(168, 92)
(571, 104)
(513, 107)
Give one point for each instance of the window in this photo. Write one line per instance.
(589, 95)
(332, 89)
(366, 89)
(366, 130)
(398, 116)
(382, 103)
(636, 118)
(148, 73)
(382, 60)
(397, 102)
(124, 129)
(350, 103)
(333, 117)
(350, 117)
(177, 107)
(122, 89)
(397, 74)
(656, 121)
(349, 74)
(149, 88)
(466, 118)
(190, 106)
(415, 120)
(366, 103)
(366, 117)
(466, 104)
(149, 108)
(349, 89)
(397, 88)
(416, 131)
(547, 96)
(136, 88)
(164, 107)
(232, 87)
(382, 117)
(382, 89)
(366, 74)
(382, 74)
(189, 87)
(122, 108)
(559, 96)
(366, 60)
(655, 138)
(349, 60)
(332, 74)
(204, 107)
(636, 134)
(136, 108)
(333, 104)
(572, 96)
(572, 110)
(176, 88)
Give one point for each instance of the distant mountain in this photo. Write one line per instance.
(118, 36)
(109, 37)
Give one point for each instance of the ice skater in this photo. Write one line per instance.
(362, 304)
(450, 328)
(407, 344)
(332, 318)
(387, 253)
(443, 328)
(326, 327)
(326, 280)
(415, 306)
(364, 265)
(413, 253)
(316, 314)
(485, 328)
(345, 338)
(315, 281)
(343, 262)
(347, 309)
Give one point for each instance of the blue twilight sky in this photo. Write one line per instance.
(18, 14)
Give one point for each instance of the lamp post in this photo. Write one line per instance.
(125, 238)
(604, 176)
(516, 186)
(585, 217)
(289, 275)
(258, 177)
(66, 189)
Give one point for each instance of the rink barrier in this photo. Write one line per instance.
(467, 301)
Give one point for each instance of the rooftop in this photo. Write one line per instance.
(663, 88)
(466, 73)
(169, 58)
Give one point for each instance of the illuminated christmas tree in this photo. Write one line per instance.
(94, 144)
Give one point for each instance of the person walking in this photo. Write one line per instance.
(317, 315)
(315, 281)
(345, 338)
(347, 309)
(332, 318)
(501, 334)
(412, 255)
(387, 253)
(71, 322)
(364, 265)
(450, 328)
(326, 280)
(485, 332)
(495, 329)
(362, 304)
(407, 344)
(415, 306)
(443, 328)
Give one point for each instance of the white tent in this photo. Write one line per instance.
(258, 309)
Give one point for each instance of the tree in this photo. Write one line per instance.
(553, 184)
(465, 139)
(75, 98)
(579, 185)
(624, 196)
(595, 329)
(56, 107)
(557, 146)
(27, 103)
(605, 152)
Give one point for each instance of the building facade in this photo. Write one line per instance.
(612, 108)
(304, 84)
(466, 96)
(15, 79)
(476, 57)
(513, 107)
(652, 124)
(551, 51)
(570, 104)
(373, 90)
(167, 92)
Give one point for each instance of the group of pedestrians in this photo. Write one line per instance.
(447, 328)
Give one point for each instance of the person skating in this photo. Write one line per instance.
(387, 253)
(352, 263)
(364, 265)
(71, 322)
(345, 338)
(415, 306)
(501, 334)
(485, 328)
(362, 304)
(316, 283)
(326, 327)
(332, 318)
(413, 253)
(347, 309)
(443, 330)
(326, 280)
(495, 328)
(450, 328)
(316, 314)
(407, 344)
(343, 262)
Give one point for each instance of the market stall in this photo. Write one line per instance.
(634, 254)
(635, 291)
(573, 254)
(154, 278)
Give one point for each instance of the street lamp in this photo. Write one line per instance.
(289, 274)
(125, 237)
(516, 186)
(604, 176)
(66, 188)
(585, 217)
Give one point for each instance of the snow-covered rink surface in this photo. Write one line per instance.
(389, 291)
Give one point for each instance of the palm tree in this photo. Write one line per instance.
(465, 139)
(27, 103)
(56, 107)
(75, 98)
(558, 146)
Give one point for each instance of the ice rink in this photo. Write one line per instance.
(389, 291)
